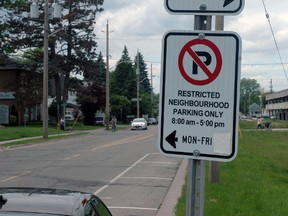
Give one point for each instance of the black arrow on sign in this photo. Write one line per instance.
(172, 139)
(227, 2)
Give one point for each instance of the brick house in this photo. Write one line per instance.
(10, 69)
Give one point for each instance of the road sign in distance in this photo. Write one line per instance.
(205, 7)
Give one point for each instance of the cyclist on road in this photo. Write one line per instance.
(113, 123)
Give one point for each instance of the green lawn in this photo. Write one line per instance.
(255, 183)
(10, 133)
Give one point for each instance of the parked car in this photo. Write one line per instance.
(40, 201)
(99, 118)
(69, 118)
(139, 123)
(152, 121)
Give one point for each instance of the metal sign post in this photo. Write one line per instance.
(199, 98)
(197, 168)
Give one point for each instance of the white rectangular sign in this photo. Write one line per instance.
(205, 7)
(199, 97)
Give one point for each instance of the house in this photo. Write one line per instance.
(10, 71)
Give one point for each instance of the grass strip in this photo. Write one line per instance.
(255, 183)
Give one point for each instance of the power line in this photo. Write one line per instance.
(267, 16)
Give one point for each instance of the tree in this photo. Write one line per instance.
(88, 95)
(120, 105)
(27, 92)
(124, 83)
(249, 93)
(91, 94)
(71, 51)
(123, 78)
(144, 85)
(6, 6)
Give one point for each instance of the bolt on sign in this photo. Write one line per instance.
(199, 97)
(204, 7)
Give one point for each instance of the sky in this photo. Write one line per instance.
(140, 25)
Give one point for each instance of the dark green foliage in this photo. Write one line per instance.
(91, 94)
(71, 51)
(124, 85)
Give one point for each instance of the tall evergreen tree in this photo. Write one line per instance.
(144, 84)
(123, 78)
(123, 86)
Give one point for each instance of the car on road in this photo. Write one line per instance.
(52, 202)
(152, 121)
(139, 124)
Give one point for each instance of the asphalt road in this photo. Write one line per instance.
(124, 168)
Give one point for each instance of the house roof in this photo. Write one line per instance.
(7, 64)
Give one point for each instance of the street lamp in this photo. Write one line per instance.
(34, 13)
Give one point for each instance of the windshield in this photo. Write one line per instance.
(138, 120)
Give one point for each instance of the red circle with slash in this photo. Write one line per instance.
(188, 48)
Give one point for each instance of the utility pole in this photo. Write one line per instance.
(138, 75)
(271, 86)
(107, 79)
(152, 105)
(214, 171)
(45, 72)
(34, 14)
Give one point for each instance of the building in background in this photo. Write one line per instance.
(10, 71)
(277, 104)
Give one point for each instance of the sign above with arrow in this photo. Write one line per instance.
(205, 7)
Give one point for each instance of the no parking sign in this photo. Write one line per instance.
(195, 55)
(200, 95)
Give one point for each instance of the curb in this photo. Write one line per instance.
(174, 192)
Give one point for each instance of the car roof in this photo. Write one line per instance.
(40, 200)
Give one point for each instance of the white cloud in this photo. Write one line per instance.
(141, 24)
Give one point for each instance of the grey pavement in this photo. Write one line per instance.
(168, 206)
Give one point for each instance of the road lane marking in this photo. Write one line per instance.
(120, 175)
(14, 177)
(168, 163)
(123, 141)
(118, 142)
(74, 156)
(153, 178)
(132, 208)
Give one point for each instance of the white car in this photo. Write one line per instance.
(139, 124)
(47, 201)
